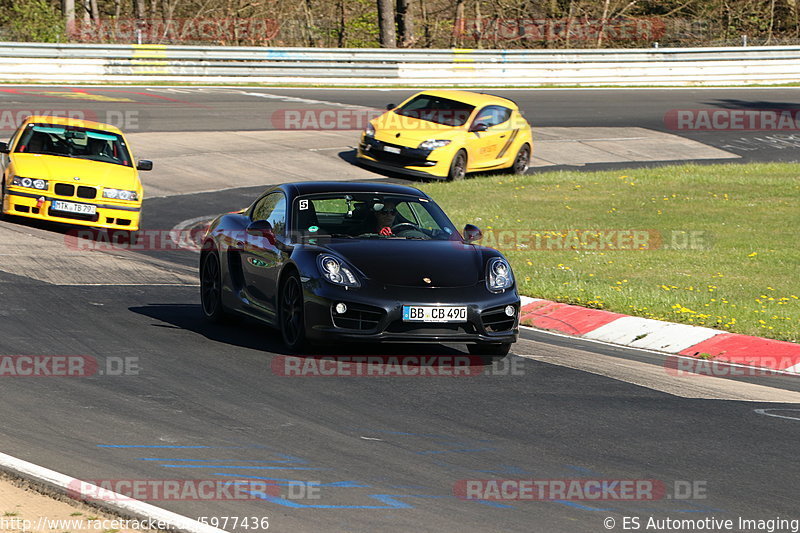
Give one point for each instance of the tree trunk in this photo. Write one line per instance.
(405, 23)
(388, 34)
(458, 24)
(341, 37)
(68, 7)
(139, 9)
(603, 21)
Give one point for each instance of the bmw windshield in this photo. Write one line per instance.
(72, 141)
(371, 216)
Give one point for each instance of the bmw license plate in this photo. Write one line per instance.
(391, 149)
(72, 207)
(434, 313)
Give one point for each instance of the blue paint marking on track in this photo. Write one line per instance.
(492, 504)
(579, 505)
(287, 481)
(150, 446)
(245, 467)
(465, 450)
(288, 459)
(391, 501)
(508, 469)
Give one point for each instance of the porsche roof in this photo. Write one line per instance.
(316, 187)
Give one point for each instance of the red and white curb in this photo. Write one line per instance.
(124, 506)
(657, 335)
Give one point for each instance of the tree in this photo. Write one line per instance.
(386, 24)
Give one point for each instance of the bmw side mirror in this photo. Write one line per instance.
(479, 127)
(3, 148)
(389, 107)
(144, 164)
(472, 233)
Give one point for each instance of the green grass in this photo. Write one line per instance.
(738, 271)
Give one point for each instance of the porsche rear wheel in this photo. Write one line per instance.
(490, 349)
(293, 328)
(211, 287)
(522, 161)
(458, 167)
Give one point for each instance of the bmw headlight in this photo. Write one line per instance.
(334, 270)
(433, 144)
(120, 194)
(369, 131)
(31, 183)
(498, 275)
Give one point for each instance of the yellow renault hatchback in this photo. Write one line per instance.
(446, 134)
(72, 171)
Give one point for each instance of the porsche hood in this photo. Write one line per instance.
(414, 263)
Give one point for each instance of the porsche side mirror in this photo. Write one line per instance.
(479, 127)
(259, 228)
(472, 233)
(389, 107)
(3, 148)
(144, 164)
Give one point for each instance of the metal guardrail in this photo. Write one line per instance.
(40, 62)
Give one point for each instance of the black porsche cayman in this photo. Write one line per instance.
(326, 261)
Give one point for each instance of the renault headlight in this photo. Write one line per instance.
(120, 194)
(498, 275)
(369, 131)
(334, 270)
(433, 144)
(30, 183)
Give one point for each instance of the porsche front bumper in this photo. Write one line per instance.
(376, 314)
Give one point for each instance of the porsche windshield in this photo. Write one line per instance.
(371, 216)
(436, 109)
(72, 141)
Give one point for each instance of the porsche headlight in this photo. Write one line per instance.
(120, 194)
(433, 144)
(30, 183)
(498, 275)
(335, 271)
(369, 131)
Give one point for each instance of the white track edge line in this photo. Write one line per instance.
(69, 486)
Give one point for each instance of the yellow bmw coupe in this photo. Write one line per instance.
(446, 134)
(72, 171)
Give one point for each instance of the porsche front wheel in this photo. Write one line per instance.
(458, 167)
(293, 328)
(211, 287)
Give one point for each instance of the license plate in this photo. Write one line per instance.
(434, 313)
(391, 149)
(71, 207)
